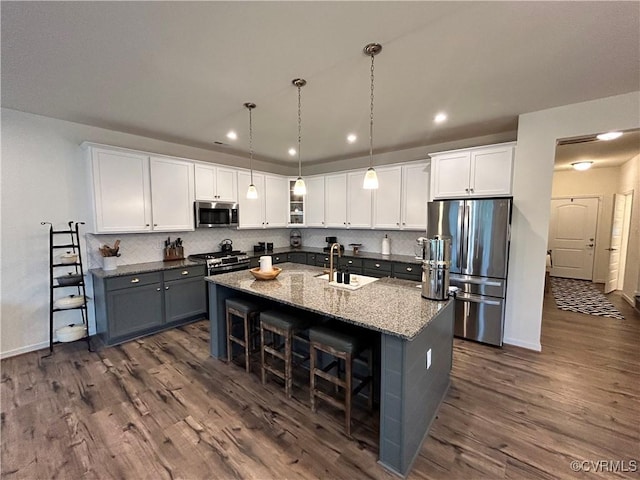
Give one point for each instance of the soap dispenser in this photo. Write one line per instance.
(386, 246)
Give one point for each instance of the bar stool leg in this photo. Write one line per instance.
(247, 345)
(370, 386)
(288, 370)
(229, 351)
(348, 363)
(262, 359)
(312, 369)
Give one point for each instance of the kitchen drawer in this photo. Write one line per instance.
(280, 258)
(297, 257)
(350, 262)
(186, 272)
(322, 260)
(129, 281)
(254, 262)
(377, 265)
(407, 271)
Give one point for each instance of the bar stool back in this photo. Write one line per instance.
(248, 312)
(286, 327)
(341, 344)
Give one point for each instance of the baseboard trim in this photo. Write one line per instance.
(522, 344)
(27, 349)
(631, 301)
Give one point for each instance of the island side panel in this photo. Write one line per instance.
(411, 393)
(217, 319)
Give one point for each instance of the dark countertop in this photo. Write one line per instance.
(388, 305)
(142, 268)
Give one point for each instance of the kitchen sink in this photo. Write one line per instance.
(357, 281)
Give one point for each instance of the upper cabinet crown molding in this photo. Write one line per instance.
(473, 172)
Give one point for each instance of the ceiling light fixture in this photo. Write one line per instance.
(581, 166)
(299, 188)
(440, 117)
(609, 136)
(232, 135)
(351, 138)
(292, 151)
(252, 192)
(371, 177)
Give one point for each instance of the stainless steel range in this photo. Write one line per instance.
(222, 262)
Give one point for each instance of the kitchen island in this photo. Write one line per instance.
(416, 342)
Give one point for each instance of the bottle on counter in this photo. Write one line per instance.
(339, 276)
(386, 245)
(346, 277)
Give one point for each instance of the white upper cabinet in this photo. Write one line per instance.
(171, 194)
(335, 200)
(216, 183)
(359, 201)
(387, 198)
(269, 210)
(415, 196)
(121, 191)
(314, 202)
(474, 172)
(276, 201)
(133, 193)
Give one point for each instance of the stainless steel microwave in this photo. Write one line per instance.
(216, 214)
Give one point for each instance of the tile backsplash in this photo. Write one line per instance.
(148, 247)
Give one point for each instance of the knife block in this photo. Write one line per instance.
(175, 253)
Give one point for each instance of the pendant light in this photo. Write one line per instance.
(371, 177)
(252, 192)
(299, 188)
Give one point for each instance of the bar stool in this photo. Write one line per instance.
(248, 312)
(345, 344)
(286, 327)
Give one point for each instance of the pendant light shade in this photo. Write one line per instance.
(252, 191)
(299, 188)
(371, 177)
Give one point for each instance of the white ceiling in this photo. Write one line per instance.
(181, 71)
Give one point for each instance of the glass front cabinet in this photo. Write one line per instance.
(296, 206)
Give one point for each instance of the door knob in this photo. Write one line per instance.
(611, 249)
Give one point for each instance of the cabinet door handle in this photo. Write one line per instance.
(409, 269)
(398, 223)
(146, 224)
(466, 190)
(350, 262)
(166, 288)
(155, 224)
(344, 223)
(186, 272)
(158, 289)
(404, 223)
(135, 280)
(472, 190)
(377, 265)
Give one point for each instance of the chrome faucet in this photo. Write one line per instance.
(336, 245)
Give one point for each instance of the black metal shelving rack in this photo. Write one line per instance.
(73, 247)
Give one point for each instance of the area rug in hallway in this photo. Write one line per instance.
(582, 296)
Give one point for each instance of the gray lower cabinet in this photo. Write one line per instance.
(130, 306)
(297, 257)
(280, 258)
(376, 268)
(354, 265)
(407, 271)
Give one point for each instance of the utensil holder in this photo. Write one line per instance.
(175, 253)
(109, 263)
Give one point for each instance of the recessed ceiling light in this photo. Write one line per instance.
(232, 135)
(439, 118)
(582, 165)
(292, 151)
(609, 136)
(352, 137)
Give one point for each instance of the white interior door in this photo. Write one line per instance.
(572, 237)
(615, 243)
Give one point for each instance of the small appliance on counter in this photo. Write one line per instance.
(419, 248)
(435, 268)
(330, 241)
(269, 246)
(355, 247)
(259, 248)
(295, 239)
(386, 245)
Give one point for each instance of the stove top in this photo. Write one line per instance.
(214, 255)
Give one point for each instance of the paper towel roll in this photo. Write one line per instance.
(265, 264)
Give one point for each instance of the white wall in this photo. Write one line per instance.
(533, 172)
(630, 181)
(601, 182)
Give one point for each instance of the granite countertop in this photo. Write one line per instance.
(347, 253)
(389, 305)
(142, 268)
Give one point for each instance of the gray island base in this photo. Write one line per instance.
(416, 343)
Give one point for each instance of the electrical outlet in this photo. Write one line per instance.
(428, 359)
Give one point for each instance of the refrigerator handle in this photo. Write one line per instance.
(461, 233)
(464, 237)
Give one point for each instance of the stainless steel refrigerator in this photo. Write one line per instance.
(479, 231)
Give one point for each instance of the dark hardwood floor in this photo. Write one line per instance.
(162, 408)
